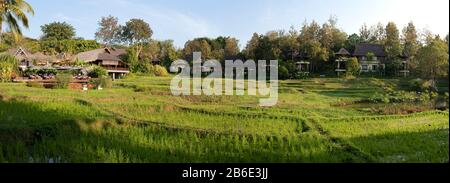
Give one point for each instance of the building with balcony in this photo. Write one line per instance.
(108, 58)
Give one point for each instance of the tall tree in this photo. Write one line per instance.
(109, 30)
(392, 43)
(410, 40)
(433, 59)
(231, 48)
(13, 13)
(151, 51)
(198, 45)
(351, 42)
(364, 33)
(289, 45)
(57, 31)
(136, 33)
(377, 34)
(252, 45)
(425, 37)
(168, 52)
(310, 45)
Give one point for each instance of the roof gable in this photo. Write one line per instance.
(343, 51)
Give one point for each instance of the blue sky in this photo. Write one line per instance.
(182, 20)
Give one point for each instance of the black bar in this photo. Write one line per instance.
(276, 172)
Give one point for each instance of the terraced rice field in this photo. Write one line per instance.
(316, 120)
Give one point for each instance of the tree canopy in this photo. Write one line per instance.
(57, 31)
(109, 30)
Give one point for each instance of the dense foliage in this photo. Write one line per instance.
(97, 71)
(53, 47)
(8, 67)
(57, 31)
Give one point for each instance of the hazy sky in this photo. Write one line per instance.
(181, 20)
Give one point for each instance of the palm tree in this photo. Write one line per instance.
(12, 13)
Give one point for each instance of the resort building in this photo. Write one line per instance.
(341, 61)
(372, 59)
(108, 58)
(28, 60)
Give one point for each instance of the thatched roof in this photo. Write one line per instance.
(22, 54)
(343, 52)
(101, 54)
(19, 53)
(364, 48)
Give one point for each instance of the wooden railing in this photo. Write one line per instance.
(116, 68)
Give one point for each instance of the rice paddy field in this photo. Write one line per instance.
(138, 120)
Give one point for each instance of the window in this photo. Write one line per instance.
(363, 58)
(375, 67)
(374, 58)
(364, 67)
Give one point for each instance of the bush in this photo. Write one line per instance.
(141, 67)
(420, 85)
(103, 82)
(283, 73)
(63, 80)
(160, 71)
(97, 72)
(8, 67)
(403, 97)
(352, 66)
(379, 98)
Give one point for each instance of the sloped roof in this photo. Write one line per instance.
(363, 48)
(101, 54)
(19, 53)
(343, 51)
(22, 54)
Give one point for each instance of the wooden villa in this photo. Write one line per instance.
(108, 58)
(404, 71)
(303, 66)
(371, 57)
(341, 61)
(27, 59)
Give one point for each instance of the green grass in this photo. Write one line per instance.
(138, 120)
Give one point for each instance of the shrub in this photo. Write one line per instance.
(403, 97)
(420, 85)
(352, 66)
(97, 72)
(379, 98)
(141, 67)
(8, 67)
(283, 73)
(160, 71)
(103, 82)
(63, 80)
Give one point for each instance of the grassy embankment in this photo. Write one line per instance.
(316, 120)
